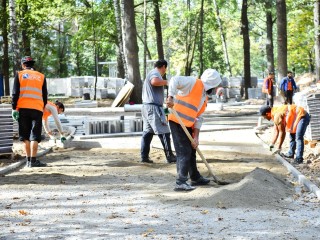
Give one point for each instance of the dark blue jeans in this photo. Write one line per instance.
(186, 154)
(296, 139)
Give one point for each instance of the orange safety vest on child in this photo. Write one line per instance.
(46, 112)
(187, 106)
(31, 83)
(292, 114)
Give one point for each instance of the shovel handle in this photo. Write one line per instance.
(192, 140)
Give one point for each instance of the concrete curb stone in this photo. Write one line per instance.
(16, 165)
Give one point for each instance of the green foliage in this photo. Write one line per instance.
(65, 34)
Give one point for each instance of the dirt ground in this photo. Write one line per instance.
(106, 193)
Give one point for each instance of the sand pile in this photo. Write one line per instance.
(259, 189)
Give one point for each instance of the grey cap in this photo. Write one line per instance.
(264, 109)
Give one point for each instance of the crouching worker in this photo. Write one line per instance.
(188, 97)
(53, 110)
(292, 119)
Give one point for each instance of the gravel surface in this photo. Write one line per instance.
(105, 193)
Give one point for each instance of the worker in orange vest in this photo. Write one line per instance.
(188, 96)
(29, 96)
(267, 88)
(292, 119)
(53, 109)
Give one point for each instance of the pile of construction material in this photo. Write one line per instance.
(6, 131)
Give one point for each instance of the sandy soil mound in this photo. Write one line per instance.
(259, 189)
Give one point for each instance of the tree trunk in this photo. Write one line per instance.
(201, 20)
(246, 47)
(223, 39)
(5, 63)
(316, 17)
(282, 38)
(145, 23)
(121, 66)
(188, 43)
(269, 43)
(157, 24)
(15, 37)
(26, 46)
(131, 49)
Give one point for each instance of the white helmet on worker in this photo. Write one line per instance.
(210, 78)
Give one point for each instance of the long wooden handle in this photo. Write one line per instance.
(192, 140)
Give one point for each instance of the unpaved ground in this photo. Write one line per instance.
(105, 193)
(108, 194)
(311, 166)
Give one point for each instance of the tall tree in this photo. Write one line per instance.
(121, 63)
(158, 29)
(15, 35)
(145, 46)
(246, 47)
(131, 49)
(269, 41)
(192, 29)
(201, 20)
(223, 38)
(282, 38)
(316, 17)
(5, 62)
(25, 26)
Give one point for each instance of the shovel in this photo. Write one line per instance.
(215, 179)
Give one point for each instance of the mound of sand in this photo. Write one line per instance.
(259, 189)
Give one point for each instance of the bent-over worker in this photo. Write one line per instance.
(292, 119)
(53, 109)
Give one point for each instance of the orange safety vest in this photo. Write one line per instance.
(293, 114)
(270, 85)
(187, 106)
(31, 83)
(46, 112)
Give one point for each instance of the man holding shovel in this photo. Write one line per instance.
(188, 98)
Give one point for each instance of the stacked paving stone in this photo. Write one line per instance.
(6, 131)
(313, 107)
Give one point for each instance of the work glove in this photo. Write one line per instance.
(271, 147)
(269, 96)
(15, 115)
(63, 139)
(166, 111)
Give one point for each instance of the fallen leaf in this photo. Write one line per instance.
(22, 212)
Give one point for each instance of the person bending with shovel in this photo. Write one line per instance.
(187, 100)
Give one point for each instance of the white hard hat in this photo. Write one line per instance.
(210, 78)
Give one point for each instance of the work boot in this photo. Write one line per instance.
(200, 181)
(37, 163)
(146, 160)
(171, 159)
(183, 187)
(298, 161)
(286, 155)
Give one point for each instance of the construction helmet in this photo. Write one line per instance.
(27, 59)
(210, 78)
